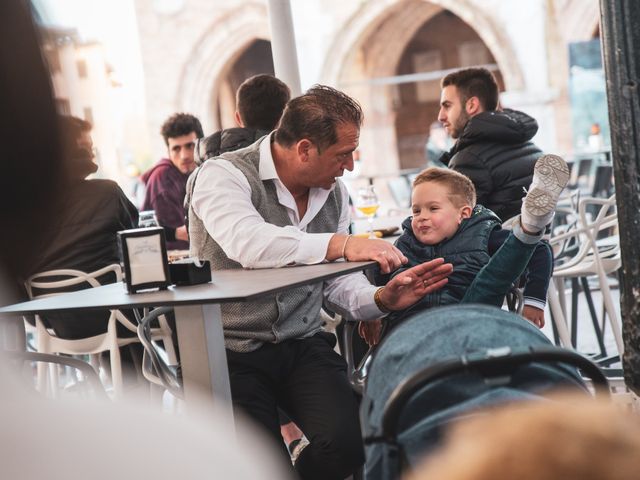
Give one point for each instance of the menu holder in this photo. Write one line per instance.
(143, 256)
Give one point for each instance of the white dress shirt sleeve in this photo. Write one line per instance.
(350, 295)
(222, 200)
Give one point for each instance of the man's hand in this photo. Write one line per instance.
(370, 331)
(182, 233)
(410, 286)
(534, 315)
(388, 257)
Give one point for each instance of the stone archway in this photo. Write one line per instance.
(370, 45)
(403, 18)
(218, 47)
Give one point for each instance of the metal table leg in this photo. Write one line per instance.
(202, 355)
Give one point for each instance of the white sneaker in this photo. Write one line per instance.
(550, 176)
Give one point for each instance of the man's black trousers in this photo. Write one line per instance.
(307, 379)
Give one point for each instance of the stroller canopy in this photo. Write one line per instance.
(443, 335)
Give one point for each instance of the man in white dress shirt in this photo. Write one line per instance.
(280, 202)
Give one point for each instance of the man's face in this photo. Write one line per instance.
(435, 217)
(325, 167)
(452, 114)
(181, 152)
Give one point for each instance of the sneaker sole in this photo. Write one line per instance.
(550, 176)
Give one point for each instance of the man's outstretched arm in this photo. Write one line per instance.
(411, 285)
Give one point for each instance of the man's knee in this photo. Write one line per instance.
(334, 453)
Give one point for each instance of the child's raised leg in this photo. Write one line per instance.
(493, 282)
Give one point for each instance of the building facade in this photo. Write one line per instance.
(389, 54)
(84, 87)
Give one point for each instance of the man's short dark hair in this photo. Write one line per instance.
(475, 82)
(316, 116)
(180, 124)
(77, 159)
(260, 101)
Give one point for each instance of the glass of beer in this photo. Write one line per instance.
(367, 202)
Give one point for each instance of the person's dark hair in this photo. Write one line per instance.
(30, 138)
(78, 159)
(475, 82)
(180, 124)
(316, 116)
(260, 101)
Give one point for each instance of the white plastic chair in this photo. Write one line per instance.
(592, 257)
(48, 342)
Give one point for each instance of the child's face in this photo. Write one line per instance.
(435, 217)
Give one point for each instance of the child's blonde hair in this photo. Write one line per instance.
(461, 189)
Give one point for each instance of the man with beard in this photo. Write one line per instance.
(493, 146)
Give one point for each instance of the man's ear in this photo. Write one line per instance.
(239, 121)
(473, 106)
(465, 212)
(303, 147)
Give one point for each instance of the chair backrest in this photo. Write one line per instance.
(55, 282)
(62, 279)
(583, 236)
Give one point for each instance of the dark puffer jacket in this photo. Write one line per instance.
(467, 251)
(496, 153)
(226, 140)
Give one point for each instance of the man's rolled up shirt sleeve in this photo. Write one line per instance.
(352, 297)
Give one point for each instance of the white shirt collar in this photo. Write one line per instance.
(267, 171)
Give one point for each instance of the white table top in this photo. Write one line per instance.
(225, 286)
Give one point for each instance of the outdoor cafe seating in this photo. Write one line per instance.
(56, 282)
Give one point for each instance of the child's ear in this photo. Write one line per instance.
(465, 212)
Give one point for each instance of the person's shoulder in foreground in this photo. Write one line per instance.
(568, 438)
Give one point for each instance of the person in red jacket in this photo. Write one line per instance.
(166, 181)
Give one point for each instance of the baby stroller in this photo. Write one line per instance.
(442, 365)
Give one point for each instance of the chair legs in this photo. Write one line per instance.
(116, 371)
(556, 299)
(557, 313)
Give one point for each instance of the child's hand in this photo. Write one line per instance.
(534, 315)
(370, 331)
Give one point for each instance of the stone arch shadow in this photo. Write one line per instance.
(402, 18)
(213, 55)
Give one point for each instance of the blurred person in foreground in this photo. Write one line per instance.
(108, 440)
(166, 181)
(570, 438)
(493, 145)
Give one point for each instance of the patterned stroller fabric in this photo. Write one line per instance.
(436, 336)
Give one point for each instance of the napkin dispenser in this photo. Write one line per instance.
(189, 272)
(143, 256)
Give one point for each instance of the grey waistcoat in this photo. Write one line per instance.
(294, 313)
